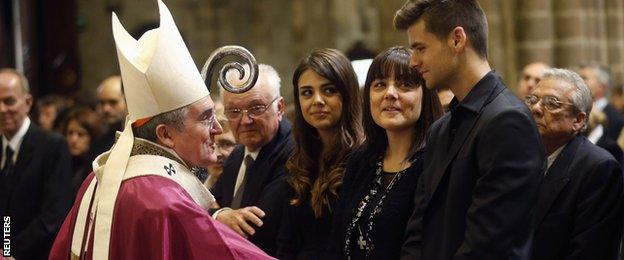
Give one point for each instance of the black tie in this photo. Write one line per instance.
(8, 162)
(238, 195)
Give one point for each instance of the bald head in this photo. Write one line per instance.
(15, 101)
(111, 102)
(531, 75)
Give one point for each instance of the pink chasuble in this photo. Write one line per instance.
(155, 218)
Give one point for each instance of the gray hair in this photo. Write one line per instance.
(602, 73)
(22, 78)
(265, 72)
(581, 97)
(173, 118)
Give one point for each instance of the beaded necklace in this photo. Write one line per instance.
(365, 240)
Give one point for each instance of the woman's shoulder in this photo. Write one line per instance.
(362, 154)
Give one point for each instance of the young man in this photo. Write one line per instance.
(484, 159)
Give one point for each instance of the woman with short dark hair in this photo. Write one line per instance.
(381, 177)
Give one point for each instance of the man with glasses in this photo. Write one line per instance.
(252, 189)
(579, 210)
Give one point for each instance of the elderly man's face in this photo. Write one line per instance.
(553, 113)
(195, 142)
(597, 89)
(15, 104)
(254, 131)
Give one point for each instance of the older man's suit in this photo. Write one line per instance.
(483, 166)
(37, 195)
(579, 210)
(265, 187)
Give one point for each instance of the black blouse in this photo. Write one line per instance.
(301, 235)
(388, 224)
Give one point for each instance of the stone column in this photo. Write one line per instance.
(615, 38)
(534, 32)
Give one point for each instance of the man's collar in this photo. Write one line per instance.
(553, 156)
(17, 139)
(253, 154)
(143, 146)
(600, 104)
(477, 95)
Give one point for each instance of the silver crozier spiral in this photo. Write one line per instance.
(235, 51)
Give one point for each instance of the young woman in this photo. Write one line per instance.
(381, 177)
(81, 127)
(327, 129)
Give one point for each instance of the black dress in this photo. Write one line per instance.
(302, 235)
(371, 225)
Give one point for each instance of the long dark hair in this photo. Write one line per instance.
(87, 119)
(396, 60)
(317, 176)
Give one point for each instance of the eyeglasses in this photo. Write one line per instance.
(551, 103)
(253, 112)
(209, 122)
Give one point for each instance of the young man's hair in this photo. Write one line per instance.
(442, 16)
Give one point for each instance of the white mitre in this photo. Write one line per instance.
(158, 76)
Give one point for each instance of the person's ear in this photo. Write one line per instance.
(29, 101)
(579, 122)
(164, 135)
(457, 39)
(281, 107)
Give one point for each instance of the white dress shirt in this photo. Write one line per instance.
(15, 142)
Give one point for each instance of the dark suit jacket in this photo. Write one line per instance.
(605, 142)
(266, 185)
(38, 194)
(615, 121)
(476, 194)
(579, 211)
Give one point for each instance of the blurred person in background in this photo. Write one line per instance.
(617, 98)
(531, 74)
(81, 128)
(598, 79)
(595, 134)
(111, 106)
(50, 111)
(35, 173)
(224, 145)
